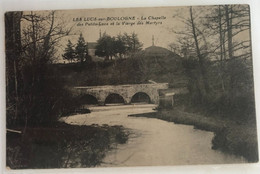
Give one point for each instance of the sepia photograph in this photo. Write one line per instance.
(129, 87)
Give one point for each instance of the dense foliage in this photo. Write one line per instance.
(35, 93)
(121, 46)
(139, 69)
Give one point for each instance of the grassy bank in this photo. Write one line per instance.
(62, 146)
(230, 137)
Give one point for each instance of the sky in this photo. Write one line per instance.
(161, 29)
(147, 23)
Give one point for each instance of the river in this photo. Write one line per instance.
(153, 142)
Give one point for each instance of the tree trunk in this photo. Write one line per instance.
(220, 34)
(200, 57)
(229, 30)
(13, 54)
(221, 42)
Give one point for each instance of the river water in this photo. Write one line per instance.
(153, 142)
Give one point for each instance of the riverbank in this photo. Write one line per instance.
(62, 145)
(231, 137)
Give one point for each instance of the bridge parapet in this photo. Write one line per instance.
(107, 87)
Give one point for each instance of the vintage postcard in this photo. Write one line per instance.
(161, 86)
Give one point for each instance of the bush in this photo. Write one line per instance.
(231, 92)
(41, 101)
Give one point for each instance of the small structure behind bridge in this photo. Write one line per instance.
(128, 93)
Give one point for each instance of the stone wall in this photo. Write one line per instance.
(126, 91)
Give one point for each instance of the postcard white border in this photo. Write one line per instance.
(15, 5)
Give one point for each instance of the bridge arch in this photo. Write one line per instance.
(114, 98)
(141, 97)
(88, 99)
(127, 92)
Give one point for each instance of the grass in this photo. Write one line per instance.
(62, 146)
(230, 137)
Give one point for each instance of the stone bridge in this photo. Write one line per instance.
(101, 93)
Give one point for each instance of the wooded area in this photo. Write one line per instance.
(36, 98)
(216, 48)
(34, 94)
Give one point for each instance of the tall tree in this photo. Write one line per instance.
(81, 49)
(229, 15)
(133, 45)
(120, 45)
(69, 52)
(229, 22)
(105, 47)
(201, 57)
(13, 56)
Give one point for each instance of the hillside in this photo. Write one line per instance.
(154, 63)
